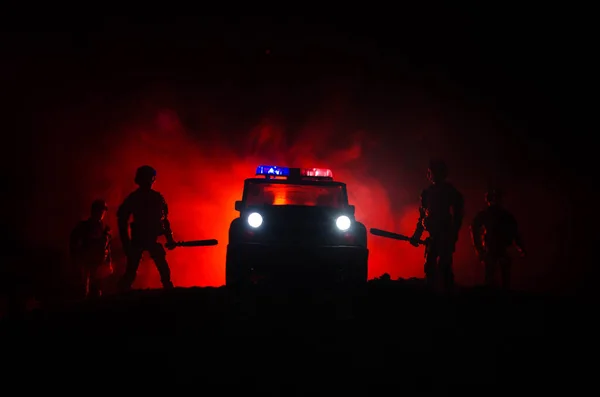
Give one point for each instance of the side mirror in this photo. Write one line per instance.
(238, 206)
(352, 209)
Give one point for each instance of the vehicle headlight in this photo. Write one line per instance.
(255, 219)
(343, 223)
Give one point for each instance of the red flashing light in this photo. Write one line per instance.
(317, 172)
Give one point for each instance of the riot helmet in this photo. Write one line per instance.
(437, 171)
(98, 209)
(145, 176)
(493, 196)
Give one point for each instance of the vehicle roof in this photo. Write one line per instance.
(302, 181)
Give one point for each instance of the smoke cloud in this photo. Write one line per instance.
(92, 151)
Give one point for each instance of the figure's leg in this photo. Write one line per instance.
(94, 283)
(490, 270)
(158, 254)
(446, 270)
(84, 284)
(431, 256)
(443, 245)
(133, 262)
(505, 267)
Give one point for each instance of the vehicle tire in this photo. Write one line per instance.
(358, 278)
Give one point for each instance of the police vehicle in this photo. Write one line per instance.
(295, 224)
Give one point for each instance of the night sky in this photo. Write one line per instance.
(503, 98)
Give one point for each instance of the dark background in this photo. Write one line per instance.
(503, 95)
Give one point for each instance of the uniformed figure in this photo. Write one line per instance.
(150, 221)
(440, 214)
(493, 231)
(90, 249)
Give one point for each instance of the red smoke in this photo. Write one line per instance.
(201, 177)
(201, 182)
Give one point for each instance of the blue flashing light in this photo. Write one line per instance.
(272, 170)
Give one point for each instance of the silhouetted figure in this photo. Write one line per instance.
(90, 249)
(493, 231)
(150, 221)
(440, 213)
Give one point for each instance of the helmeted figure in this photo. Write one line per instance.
(493, 231)
(440, 214)
(150, 221)
(90, 249)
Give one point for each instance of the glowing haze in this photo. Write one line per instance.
(201, 173)
(201, 182)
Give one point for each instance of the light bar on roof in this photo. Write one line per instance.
(272, 170)
(317, 172)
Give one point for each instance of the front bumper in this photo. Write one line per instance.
(261, 260)
(258, 252)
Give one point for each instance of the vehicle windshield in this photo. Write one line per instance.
(289, 194)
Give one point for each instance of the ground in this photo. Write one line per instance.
(394, 334)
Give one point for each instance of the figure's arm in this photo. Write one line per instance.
(476, 226)
(518, 240)
(458, 211)
(75, 239)
(123, 214)
(108, 258)
(166, 224)
(419, 229)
